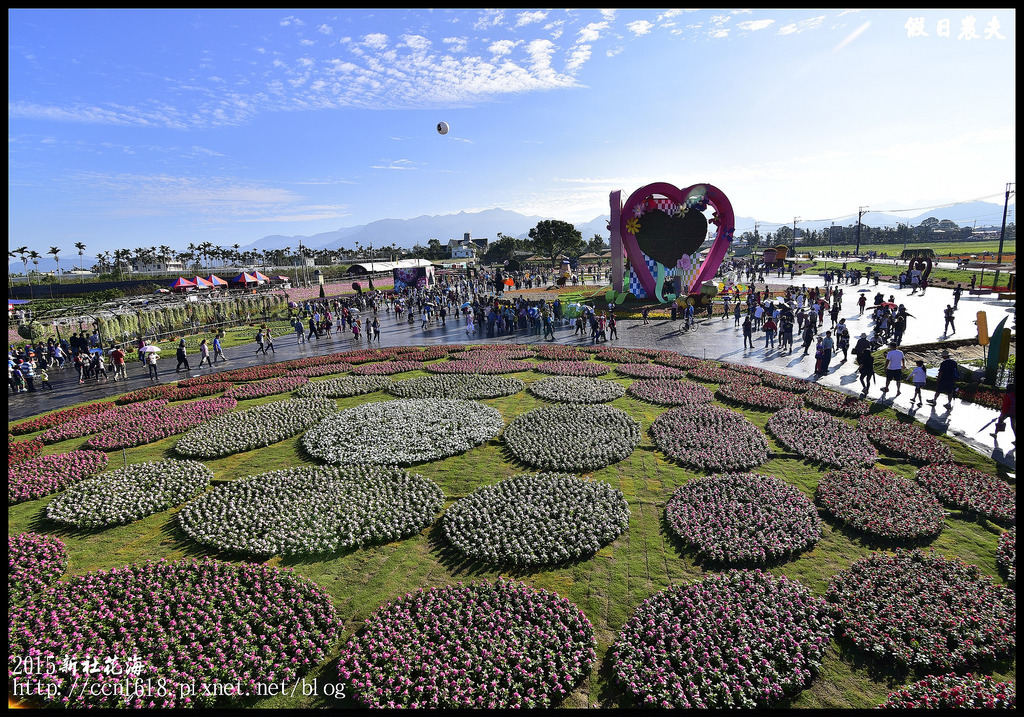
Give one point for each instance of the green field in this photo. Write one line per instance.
(607, 587)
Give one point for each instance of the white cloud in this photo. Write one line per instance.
(592, 32)
(456, 44)
(292, 20)
(324, 29)
(802, 26)
(639, 27)
(851, 37)
(719, 32)
(375, 41)
(502, 47)
(753, 25)
(528, 18)
(489, 19)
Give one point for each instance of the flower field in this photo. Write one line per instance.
(648, 571)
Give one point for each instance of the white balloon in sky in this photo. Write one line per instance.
(442, 128)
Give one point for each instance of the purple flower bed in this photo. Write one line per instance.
(712, 372)
(710, 438)
(837, 403)
(923, 610)
(186, 623)
(483, 645)
(33, 562)
(486, 365)
(572, 368)
(1006, 556)
(670, 392)
(953, 691)
(670, 358)
(143, 428)
(969, 489)
(21, 451)
(738, 639)
(821, 437)
(44, 475)
(386, 368)
(756, 396)
(748, 517)
(649, 370)
(267, 387)
(881, 502)
(908, 440)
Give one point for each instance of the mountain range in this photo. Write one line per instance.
(487, 224)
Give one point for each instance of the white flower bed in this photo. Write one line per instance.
(465, 386)
(129, 493)
(536, 519)
(572, 437)
(344, 387)
(402, 432)
(743, 517)
(577, 389)
(312, 510)
(254, 427)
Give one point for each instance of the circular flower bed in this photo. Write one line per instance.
(909, 440)
(322, 369)
(33, 562)
(44, 475)
(786, 383)
(267, 387)
(572, 368)
(757, 396)
(253, 427)
(142, 428)
(577, 389)
(738, 639)
(466, 386)
(711, 372)
(820, 437)
(969, 489)
(204, 389)
(485, 365)
(670, 358)
(312, 510)
(881, 502)
(670, 392)
(482, 645)
(404, 431)
(620, 355)
(573, 437)
(953, 691)
(344, 387)
(560, 352)
(710, 438)
(748, 517)
(186, 624)
(129, 493)
(649, 370)
(1006, 556)
(837, 403)
(923, 610)
(386, 368)
(536, 519)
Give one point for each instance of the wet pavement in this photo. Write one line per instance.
(714, 338)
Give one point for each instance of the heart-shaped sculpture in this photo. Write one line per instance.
(669, 238)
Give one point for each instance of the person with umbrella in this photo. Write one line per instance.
(150, 357)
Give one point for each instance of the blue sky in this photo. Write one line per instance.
(131, 128)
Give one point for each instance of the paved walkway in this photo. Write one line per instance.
(714, 338)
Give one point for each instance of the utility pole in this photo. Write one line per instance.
(1002, 233)
(795, 220)
(860, 213)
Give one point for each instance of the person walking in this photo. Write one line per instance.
(1008, 412)
(268, 339)
(218, 352)
(919, 378)
(182, 356)
(150, 358)
(300, 333)
(355, 330)
(44, 379)
(827, 347)
(376, 328)
(644, 313)
(260, 346)
(770, 328)
(945, 382)
(866, 368)
(737, 310)
(957, 293)
(312, 328)
(117, 361)
(895, 360)
(204, 354)
(949, 314)
(843, 338)
(808, 337)
(613, 332)
(748, 332)
(819, 353)
(862, 302)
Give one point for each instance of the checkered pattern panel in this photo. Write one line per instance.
(637, 289)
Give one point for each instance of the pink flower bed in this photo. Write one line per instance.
(617, 355)
(821, 437)
(669, 392)
(322, 370)
(757, 396)
(33, 562)
(386, 368)
(837, 403)
(649, 370)
(953, 691)
(44, 475)
(206, 389)
(670, 358)
(711, 372)
(268, 387)
(571, 368)
(483, 366)
(97, 422)
(57, 417)
(709, 437)
(1006, 556)
(20, 451)
(969, 489)
(163, 390)
(923, 611)
(786, 383)
(909, 440)
(881, 502)
(560, 352)
(166, 421)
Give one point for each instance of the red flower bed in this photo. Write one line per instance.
(757, 396)
(670, 358)
(97, 422)
(881, 502)
(19, 451)
(713, 372)
(837, 403)
(969, 489)
(953, 691)
(269, 387)
(163, 390)
(649, 370)
(909, 440)
(386, 368)
(786, 383)
(142, 428)
(821, 437)
(669, 392)
(322, 370)
(52, 419)
(1006, 556)
(560, 352)
(572, 368)
(208, 389)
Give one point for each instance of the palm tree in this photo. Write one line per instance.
(22, 252)
(55, 251)
(81, 251)
(34, 256)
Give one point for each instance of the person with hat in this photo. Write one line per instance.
(946, 380)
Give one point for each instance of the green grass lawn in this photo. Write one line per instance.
(607, 587)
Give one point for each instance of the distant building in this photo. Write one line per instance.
(170, 266)
(302, 261)
(466, 248)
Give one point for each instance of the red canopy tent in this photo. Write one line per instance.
(245, 279)
(216, 281)
(182, 285)
(280, 279)
(202, 283)
(261, 277)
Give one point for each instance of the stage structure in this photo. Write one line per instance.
(659, 230)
